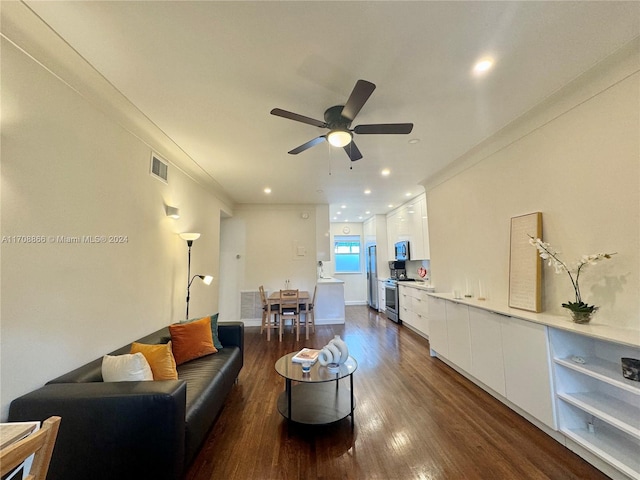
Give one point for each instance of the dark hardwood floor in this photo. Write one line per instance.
(415, 418)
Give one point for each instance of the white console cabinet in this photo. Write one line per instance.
(459, 335)
(526, 368)
(438, 336)
(598, 409)
(508, 355)
(565, 378)
(487, 362)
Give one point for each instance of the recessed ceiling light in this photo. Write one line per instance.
(367, 191)
(385, 172)
(413, 141)
(390, 205)
(483, 66)
(408, 194)
(367, 212)
(267, 190)
(343, 206)
(360, 217)
(338, 212)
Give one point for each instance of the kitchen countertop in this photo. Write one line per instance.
(427, 287)
(594, 329)
(329, 281)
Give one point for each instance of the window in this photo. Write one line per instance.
(346, 249)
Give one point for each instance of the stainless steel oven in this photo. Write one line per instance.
(391, 300)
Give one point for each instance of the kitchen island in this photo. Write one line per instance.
(329, 302)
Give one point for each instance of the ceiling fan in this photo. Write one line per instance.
(338, 120)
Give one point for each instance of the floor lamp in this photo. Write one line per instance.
(207, 279)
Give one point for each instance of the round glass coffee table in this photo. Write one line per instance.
(317, 398)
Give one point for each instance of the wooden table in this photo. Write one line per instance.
(12, 432)
(303, 298)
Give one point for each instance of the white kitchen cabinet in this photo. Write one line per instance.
(369, 231)
(438, 336)
(404, 311)
(598, 409)
(413, 308)
(421, 311)
(409, 222)
(381, 296)
(416, 215)
(487, 362)
(526, 368)
(459, 335)
(425, 229)
(392, 233)
(404, 225)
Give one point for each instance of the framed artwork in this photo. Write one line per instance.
(525, 266)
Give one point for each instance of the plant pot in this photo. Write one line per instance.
(581, 317)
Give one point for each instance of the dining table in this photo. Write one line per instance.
(11, 433)
(303, 298)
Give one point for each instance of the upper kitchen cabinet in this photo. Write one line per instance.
(409, 222)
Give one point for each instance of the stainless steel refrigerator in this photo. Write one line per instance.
(372, 278)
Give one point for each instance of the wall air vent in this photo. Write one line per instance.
(250, 305)
(159, 168)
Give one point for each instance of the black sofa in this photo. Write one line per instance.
(135, 430)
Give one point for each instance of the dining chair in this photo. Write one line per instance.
(309, 315)
(290, 309)
(268, 309)
(40, 443)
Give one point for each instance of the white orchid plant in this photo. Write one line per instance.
(548, 254)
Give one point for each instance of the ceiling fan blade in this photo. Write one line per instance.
(384, 128)
(360, 94)
(298, 118)
(353, 151)
(307, 145)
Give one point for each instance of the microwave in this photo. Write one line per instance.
(402, 251)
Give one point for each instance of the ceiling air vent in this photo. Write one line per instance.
(159, 168)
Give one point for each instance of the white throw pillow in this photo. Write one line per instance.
(126, 368)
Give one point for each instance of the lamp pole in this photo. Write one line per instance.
(189, 279)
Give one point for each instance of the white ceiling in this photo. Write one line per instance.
(208, 74)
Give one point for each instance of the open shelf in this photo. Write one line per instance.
(617, 413)
(611, 446)
(598, 409)
(603, 370)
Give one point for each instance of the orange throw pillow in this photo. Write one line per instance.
(160, 358)
(191, 340)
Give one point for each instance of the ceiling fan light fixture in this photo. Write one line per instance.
(339, 138)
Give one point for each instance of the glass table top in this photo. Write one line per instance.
(293, 370)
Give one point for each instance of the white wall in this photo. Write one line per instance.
(68, 169)
(266, 245)
(576, 159)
